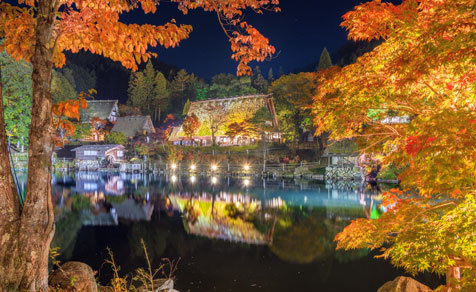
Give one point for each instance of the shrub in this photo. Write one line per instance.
(116, 138)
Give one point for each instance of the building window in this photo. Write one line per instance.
(90, 153)
(120, 153)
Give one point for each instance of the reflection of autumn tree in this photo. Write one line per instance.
(155, 239)
(67, 228)
(302, 241)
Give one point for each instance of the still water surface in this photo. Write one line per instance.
(231, 234)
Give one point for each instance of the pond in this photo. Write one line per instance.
(231, 234)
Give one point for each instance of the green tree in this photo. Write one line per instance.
(116, 138)
(202, 89)
(17, 98)
(148, 91)
(258, 82)
(160, 98)
(82, 130)
(61, 88)
(293, 95)
(84, 79)
(227, 85)
(137, 91)
(181, 88)
(270, 75)
(325, 61)
(186, 107)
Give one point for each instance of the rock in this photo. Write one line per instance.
(404, 284)
(74, 277)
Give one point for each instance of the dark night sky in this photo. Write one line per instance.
(299, 32)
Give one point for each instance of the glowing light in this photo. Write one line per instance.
(214, 180)
(174, 166)
(214, 167)
(192, 179)
(192, 167)
(246, 182)
(174, 178)
(246, 167)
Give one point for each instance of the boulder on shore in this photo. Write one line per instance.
(404, 284)
(74, 277)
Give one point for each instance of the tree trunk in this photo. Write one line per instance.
(9, 208)
(213, 135)
(25, 240)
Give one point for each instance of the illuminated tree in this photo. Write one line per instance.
(235, 129)
(190, 126)
(216, 116)
(413, 99)
(293, 95)
(39, 32)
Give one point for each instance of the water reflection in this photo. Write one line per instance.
(239, 210)
(202, 219)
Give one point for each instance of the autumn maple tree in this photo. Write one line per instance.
(39, 32)
(190, 126)
(413, 100)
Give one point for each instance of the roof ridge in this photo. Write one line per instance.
(232, 97)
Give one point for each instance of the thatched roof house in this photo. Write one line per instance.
(226, 110)
(102, 109)
(132, 126)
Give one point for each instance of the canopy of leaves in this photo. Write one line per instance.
(148, 91)
(293, 95)
(17, 98)
(420, 87)
(116, 138)
(228, 85)
(190, 125)
(182, 87)
(258, 82)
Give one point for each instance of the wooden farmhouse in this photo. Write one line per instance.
(133, 126)
(98, 156)
(220, 113)
(105, 110)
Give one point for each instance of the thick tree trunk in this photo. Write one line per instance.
(25, 243)
(9, 209)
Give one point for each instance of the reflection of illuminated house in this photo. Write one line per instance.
(101, 219)
(130, 209)
(114, 186)
(220, 226)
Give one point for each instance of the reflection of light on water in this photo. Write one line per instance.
(174, 178)
(246, 182)
(174, 166)
(192, 179)
(214, 180)
(246, 167)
